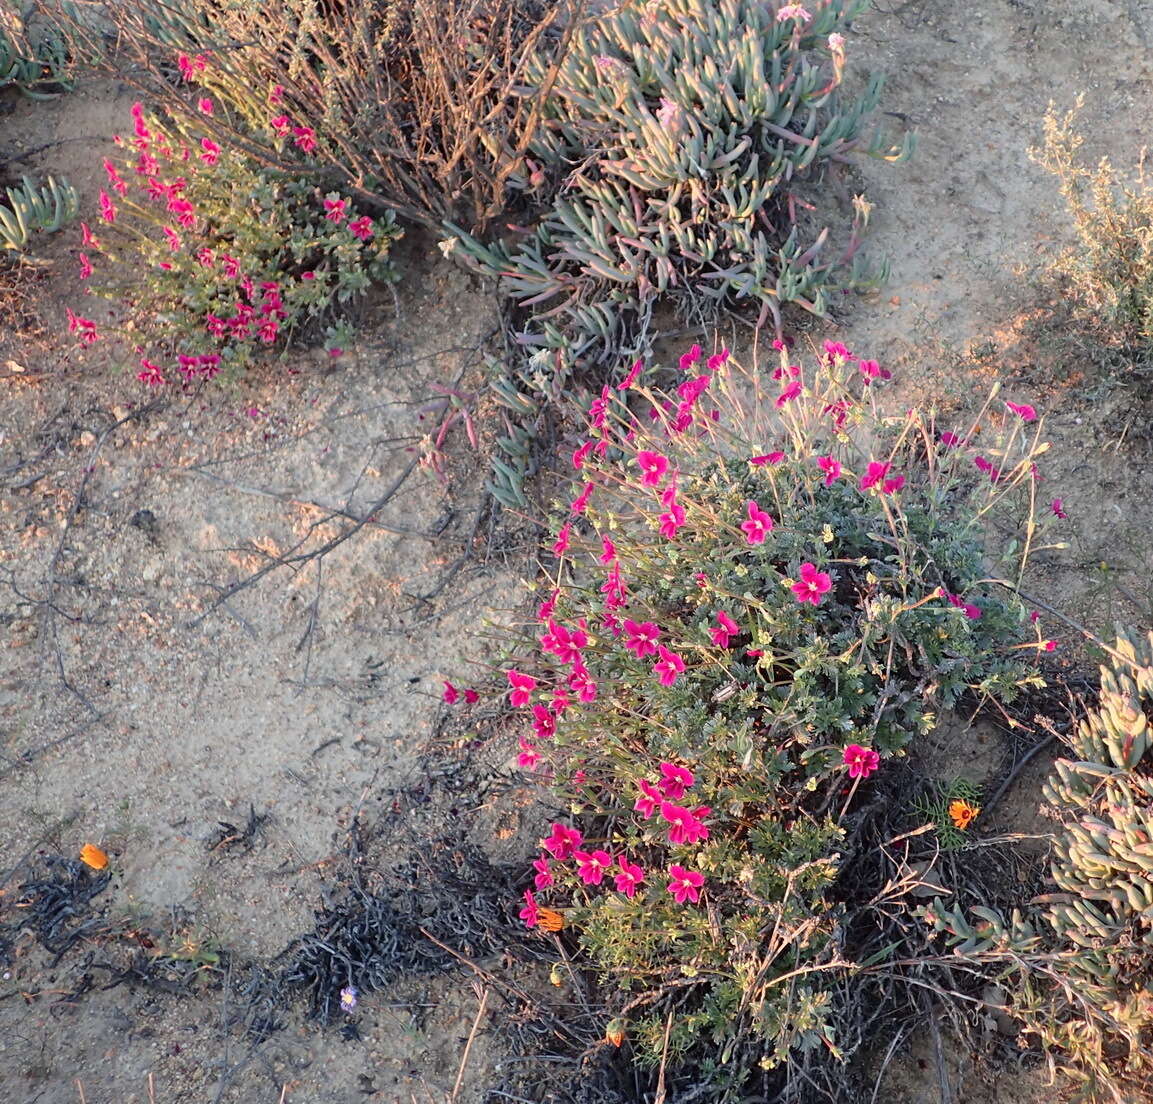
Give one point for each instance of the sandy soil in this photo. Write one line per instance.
(144, 699)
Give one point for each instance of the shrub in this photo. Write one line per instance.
(675, 140)
(752, 612)
(215, 258)
(1110, 268)
(416, 107)
(36, 64)
(1078, 965)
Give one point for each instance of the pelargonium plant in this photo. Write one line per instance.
(759, 601)
(211, 259)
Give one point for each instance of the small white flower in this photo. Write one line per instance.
(447, 246)
(837, 43)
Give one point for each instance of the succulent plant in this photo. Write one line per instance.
(37, 66)
(30, 207)
(1086, 989)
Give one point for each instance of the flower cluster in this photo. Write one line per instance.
(750, 615)
(224, 259)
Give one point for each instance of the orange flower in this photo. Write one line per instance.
(549, 920)
(92, 856)
(962, 813)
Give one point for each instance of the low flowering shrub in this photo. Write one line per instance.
(213, 259)
(1076, 966)
(759, 600)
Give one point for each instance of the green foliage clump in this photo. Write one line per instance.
(1079, 963)
(742, 716)
(38, 64)
(226, 258)
(31, 208)
(1109, 271)
(676, 138)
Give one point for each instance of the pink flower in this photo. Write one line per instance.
(834, 350)
(1058, 508)
(562, 842)
(608, 550)
(529, 757)
(336, 209)
(1023, 411)
(717, 361)
(584, 686)
(628, 878)
(813, 584)
(86, 237)
(653, 465)
(690, 358)
(280, 124)
(671, 521)
(950, 440)
(685, 884)
(560, 546)
(173, 239)
(580, 455)
(668, 666)
(641, 639)
(305, 139)
(831, 468)
(599, 408)
(361, 228)
(675, 780)
(1049, 645)
(581, 502)
(789, 393)
(529, 914)
(758, 526)
(726, 628)
(566, 644)
(890, 486)
(591, 865)
(973, 613)
(107, 207)
(204, 105)
(85, 266)
(84, 327)
(684, 827)
(151, 374)
(230, 265)
(861, 761)
(650, 798)
(548, 606)
(522, 688)
(544, 877)
(871, 370)
(631, 378)
(768, 458)
(1035, 616)
(450, 693)
(875, 473)
(211, 151)
(614, 590)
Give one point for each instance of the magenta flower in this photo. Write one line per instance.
(85, 266)
(471, 697)
(1049, 645)
(890, 486)
(726, 627)
(530, 914)
(861, 761)
(684, 827)
(669, 666)
(789, 371)
(336, 209)
(813, 584)
(950, 440)
(280, 124)
(758, 526)
(522, 688)
(768, 458)
(876, 471)
(983, 465)
(305, 139)
(204, 105)
(973, 613)
(591, 865)
(834, 350)
(641, 639)
(671, 521)
(529, 757)
(150, 374)
(614, 589)
(631, 378)
(581, 502)
(562, 842)
(871, 370)
(685, 884)
(87, 238)
(1023, 411)
(789, 393)
(566, 644)
(361, 228)
(717, 361)
(628, 877)
(580, 455)
(831, 468)
(211, 151)
(653, 465)
(608, 550)
(560, 545)
(451, 695)
(599, 408)
(107, 207)
(690, 358)
(1058, 508)
(649, 800)
(675, 780)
